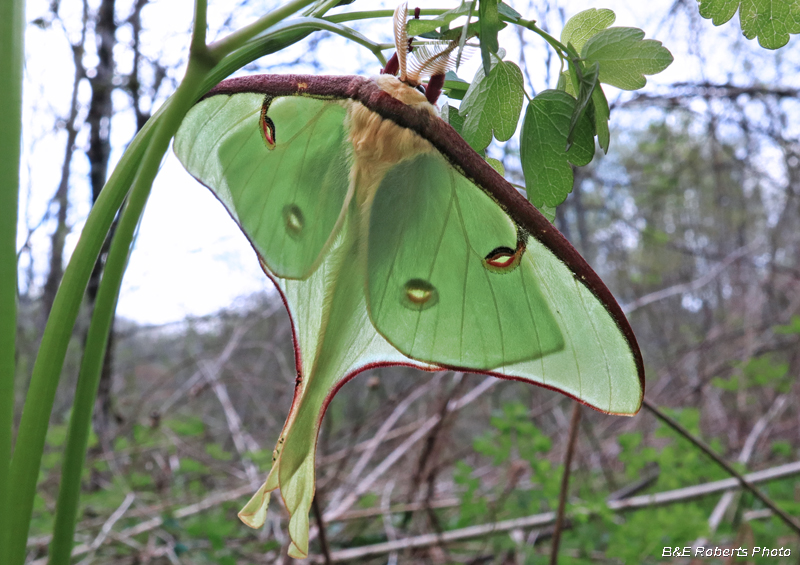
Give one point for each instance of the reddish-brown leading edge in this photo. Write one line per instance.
(460, 155)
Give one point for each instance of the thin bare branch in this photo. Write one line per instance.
(747, 451)
(323, 539)
(348, 451)
(400, 450)
(391, 532)
(200, 374)
(428, 540)
(241, 440)
(562, 496)
(108, 525)
(696, 491)
(690, 286)
(538, 520)
(672, 423)
(375, 442)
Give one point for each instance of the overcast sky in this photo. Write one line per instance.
(190, 258)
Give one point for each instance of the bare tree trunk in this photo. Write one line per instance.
(61, 197)
(100, 112)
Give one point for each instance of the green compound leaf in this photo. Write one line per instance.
(601, 116)
(497, 165)
(418, 27)
(492, 105)
(548, 212)
(490, 26)
(625, 56)
(508, 13)
(451, 116)
(584, 25)
(455, 87)
(453, 34)
(771, 21)
(587, 82)
(545, 164)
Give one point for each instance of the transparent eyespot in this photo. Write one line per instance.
(268, 131)
(418, 294)
(503, 259)
(293, 220)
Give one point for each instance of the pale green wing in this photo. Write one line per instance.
(433, 291)
(336, 340)
(431, 272)
(452, 281)
(288, 196)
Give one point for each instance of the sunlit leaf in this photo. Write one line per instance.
(453, 34)
(625, 56)
(497, 165)
(455, 87)
(490, 25)
(545, 164)
(492, 105)
(509, 13)
(418, 27)
(771, 21)
(548, 212)
(451, 116)
(564, 83)
(587, 81)
(584, 25)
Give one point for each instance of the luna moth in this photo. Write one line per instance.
(392, 242)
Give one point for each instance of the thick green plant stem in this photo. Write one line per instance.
(12, 48)
(97, 337)
(138, 166)
(49, 362)
(373, 14)
(239, 38)
(47, 368)
(194, 84)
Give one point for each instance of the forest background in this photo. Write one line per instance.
(692, 219)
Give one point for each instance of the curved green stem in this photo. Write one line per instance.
(560, 48)
(346, 32)
(12, 30)
(138, 167)
(50, 360)
(162, 127)
(97, 337)
(148, 148)
(47, 368)
(238, 39)
(372, 14)
(322, 9)
(280, 36)
(198, 43)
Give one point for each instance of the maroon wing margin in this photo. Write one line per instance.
(458, 153)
